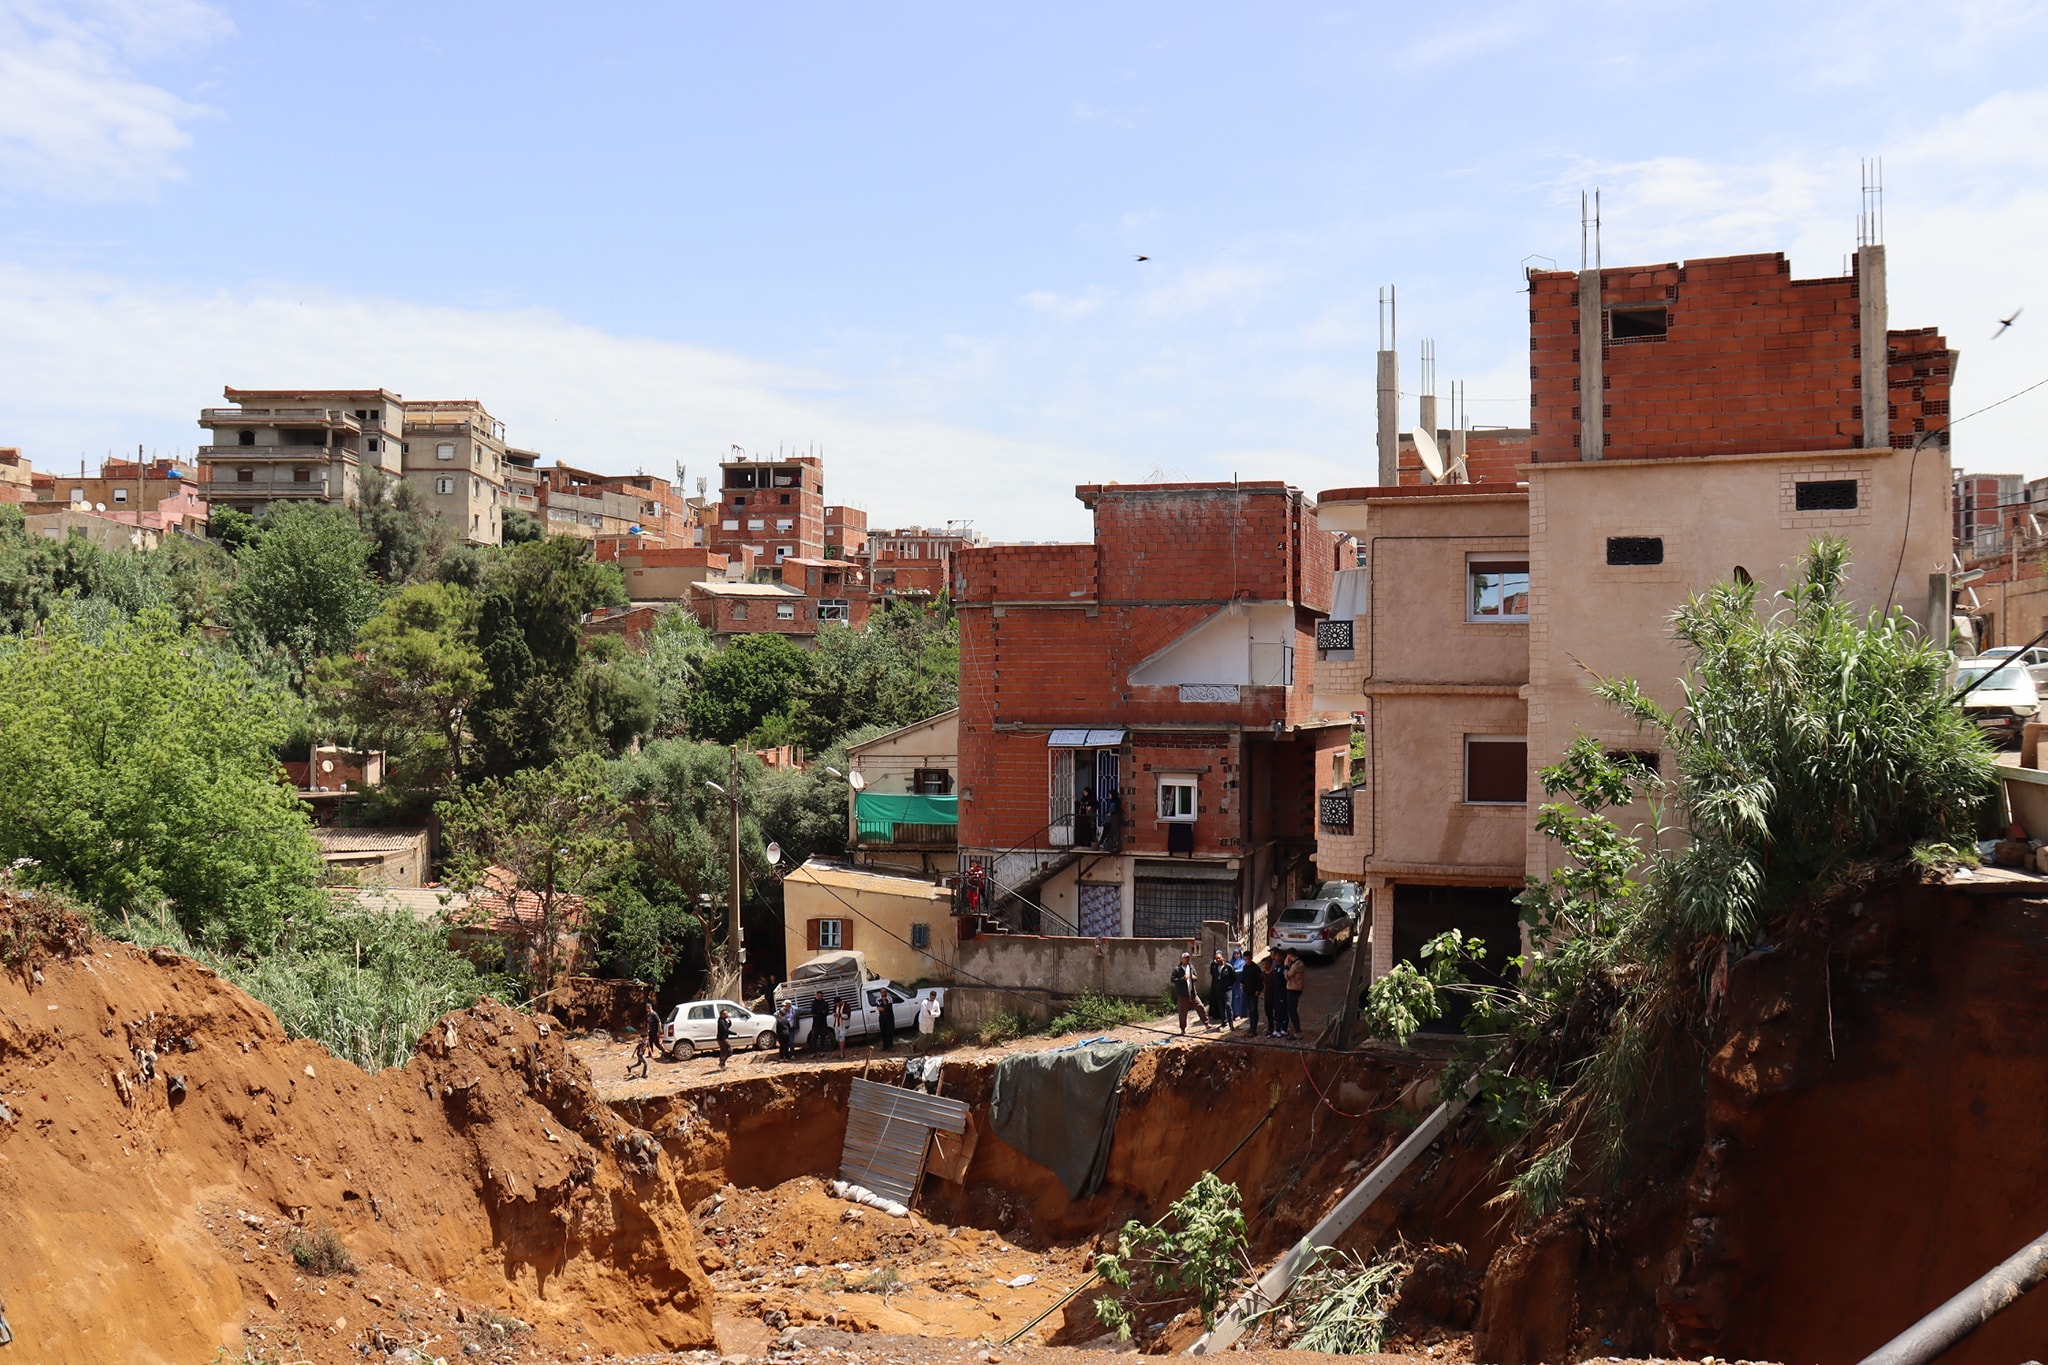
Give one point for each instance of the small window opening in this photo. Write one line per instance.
(247, 438)
(1633, 324)
(1825, 495)
(1635, 551)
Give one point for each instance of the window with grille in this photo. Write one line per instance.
(444, 486)
(831, 933)
(1635, 551)
(1825, 495)
(444, 450)
(920, 936)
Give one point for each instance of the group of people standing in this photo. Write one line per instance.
(1236, 988)
(832, 1024)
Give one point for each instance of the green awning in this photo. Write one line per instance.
(877, 815)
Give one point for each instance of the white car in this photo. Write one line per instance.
(2035, 659)
(695, 1026)
(1319, 928)
(2002, 696)
(867, 1021)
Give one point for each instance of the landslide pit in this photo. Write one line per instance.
(752, 1154)
(162, 1143)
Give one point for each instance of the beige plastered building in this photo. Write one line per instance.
(1481, 615)
(454, 453)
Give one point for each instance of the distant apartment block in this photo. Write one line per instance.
(17, 476)
(846, 533)
(916, 562)
(454, 453)
(776, 506)
(299, 445)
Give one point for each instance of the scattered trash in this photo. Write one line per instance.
(1021, 1281)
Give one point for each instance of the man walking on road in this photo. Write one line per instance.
(724, 1037)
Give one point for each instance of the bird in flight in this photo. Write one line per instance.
(1147, 258)
(2004, 323)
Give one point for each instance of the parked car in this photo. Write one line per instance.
(867, 1020)
(1350, 895)
(695, 1025)
(2003, 701)
(2035, 659)
(1320, 928)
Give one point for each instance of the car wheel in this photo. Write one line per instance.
(682, 1049)
(764, 1040)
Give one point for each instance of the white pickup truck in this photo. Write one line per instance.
(844, 976)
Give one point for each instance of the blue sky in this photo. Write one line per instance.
(644, 233)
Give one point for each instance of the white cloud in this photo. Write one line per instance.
(75, 119)
(1046, 301)
(1201, 288)
(96, 364)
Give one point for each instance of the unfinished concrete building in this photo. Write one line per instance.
(299, 445)
(455, 455)
(776, 506)
(1731, 430)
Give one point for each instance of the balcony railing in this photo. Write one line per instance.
(279, 417)
(225, 454)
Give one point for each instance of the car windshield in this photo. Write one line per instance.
(2004, 676)
(1334, 891)
(1300, 914)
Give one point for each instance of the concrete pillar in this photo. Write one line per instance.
(1457, 456)
(1382, 925)
(1426, 416)
(1873, 327)
(1390, 418)
(1592, 370)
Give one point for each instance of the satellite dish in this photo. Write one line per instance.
(856, 781)
(1432, 458)
(326, 765)
(774, 854)
(99, 507)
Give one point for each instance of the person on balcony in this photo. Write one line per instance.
(1084, 818)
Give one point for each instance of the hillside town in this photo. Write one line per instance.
(875, 706)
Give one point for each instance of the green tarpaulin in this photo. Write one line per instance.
(1059, 1108)
(878, 813)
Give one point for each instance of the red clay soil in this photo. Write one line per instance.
(162, 1144)
(1875, 1138)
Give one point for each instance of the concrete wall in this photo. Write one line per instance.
(1134, 968)
(967, 1008)
(1714, 516)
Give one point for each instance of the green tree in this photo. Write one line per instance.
(680, 830)
(752, 678)
(136, 771)
(1815, 745)
(546, 836)
(305, 583)
(905, 667)
(672, 654)
(539, 705)
(518, 527)
(407, 536)
(230, 528)
(36, 573)
(415, 674)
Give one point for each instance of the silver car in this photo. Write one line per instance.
(1319, 928)
(2035, 659)
(695, 1026)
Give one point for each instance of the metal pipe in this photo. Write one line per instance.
(1999, 1289)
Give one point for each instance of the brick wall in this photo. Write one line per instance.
(1752, 361)
(1490, 456)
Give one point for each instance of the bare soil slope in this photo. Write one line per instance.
(162, 1142)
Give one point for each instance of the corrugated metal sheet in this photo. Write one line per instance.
(887, 1132)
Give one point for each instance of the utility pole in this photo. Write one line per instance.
(735, 944)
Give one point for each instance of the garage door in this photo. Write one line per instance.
(1175, 908)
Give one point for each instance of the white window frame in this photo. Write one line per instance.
(756, 524)
(1180, 797)
(833, 609)
(444, 487)
(783, 552)
(1476, 564)
(120, 495)
(831, 934)
(444, 450)
(785, 611)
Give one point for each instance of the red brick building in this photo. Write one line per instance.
(1491, 455)
(836, 589)
(1721, 356)
(1139, 750)
(776, 506)
(846, 533)
(916, 562)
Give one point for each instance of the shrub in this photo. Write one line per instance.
(1196, 1251)
(1093, 1013)
(1004, 1028)
(321, 1252)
